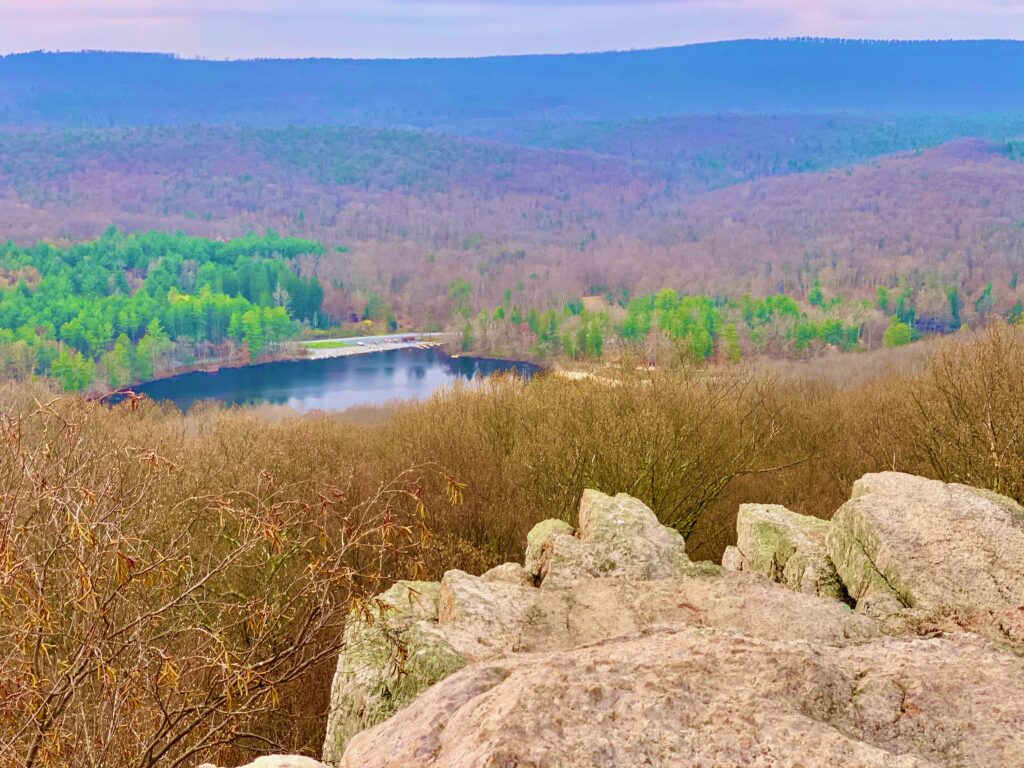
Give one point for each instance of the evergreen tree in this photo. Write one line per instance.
(816, 298)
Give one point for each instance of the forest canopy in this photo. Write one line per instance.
(114, 306)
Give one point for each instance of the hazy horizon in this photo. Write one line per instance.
(190, 57)
(404, 29)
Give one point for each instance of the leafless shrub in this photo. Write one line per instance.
(139, 632)
(968, 420)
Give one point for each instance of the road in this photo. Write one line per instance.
(361, 345)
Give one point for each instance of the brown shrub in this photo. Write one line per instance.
(151, 618)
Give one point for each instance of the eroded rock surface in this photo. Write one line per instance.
(707, 697)
(538, 544)
(390, 657)
(921, 550)
(619, 537)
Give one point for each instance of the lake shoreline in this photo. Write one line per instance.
(292, 351)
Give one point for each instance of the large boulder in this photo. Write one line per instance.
(393, 651)
(619, 537)
(609, 647)
(691, 695)
(787, 547)
(924, 552)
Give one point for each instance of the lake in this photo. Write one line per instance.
(332, 384)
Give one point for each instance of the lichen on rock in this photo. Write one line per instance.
(610, 647)
(391, 654)
(914, 550)
(538, 540)
(788, 548)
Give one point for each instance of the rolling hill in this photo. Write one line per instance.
(470, 96)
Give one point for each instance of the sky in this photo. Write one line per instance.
(220, 29)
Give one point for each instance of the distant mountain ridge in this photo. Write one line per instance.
(477, 96)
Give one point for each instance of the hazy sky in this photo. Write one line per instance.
(402, 28)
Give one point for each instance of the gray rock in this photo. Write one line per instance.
(593, 589)
(733, 560)
(629, 654)
(538, 541)
(788, 548)
(920, 553)
(509, 573)
(619, 537)
(483, 618)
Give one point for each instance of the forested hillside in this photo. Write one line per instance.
(713, 201)
(416, 214)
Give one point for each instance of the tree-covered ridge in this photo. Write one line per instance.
(126, 308)
(116, 307)
(692, 326)
(668, 325)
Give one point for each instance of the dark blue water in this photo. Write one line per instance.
(332, 384)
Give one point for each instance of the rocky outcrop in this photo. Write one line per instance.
(609, 647)
(786, 547)
(538, 546)
(697, 696)
(619, 537)
(621, 573)
(922, 551)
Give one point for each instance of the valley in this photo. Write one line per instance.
(645, 407)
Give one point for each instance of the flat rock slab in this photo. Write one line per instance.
(485, 620)
(692, 696)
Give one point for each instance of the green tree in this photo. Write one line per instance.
(459, 292)
(595, 341)
(816, 298)
(882, 298)
(117, 363)
(468, 337)
(1015, 313)
(985, 302)
(253, 333)
(72, 370)
(152, 349)
(897, 334)
(954, 307)
(731, 342)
